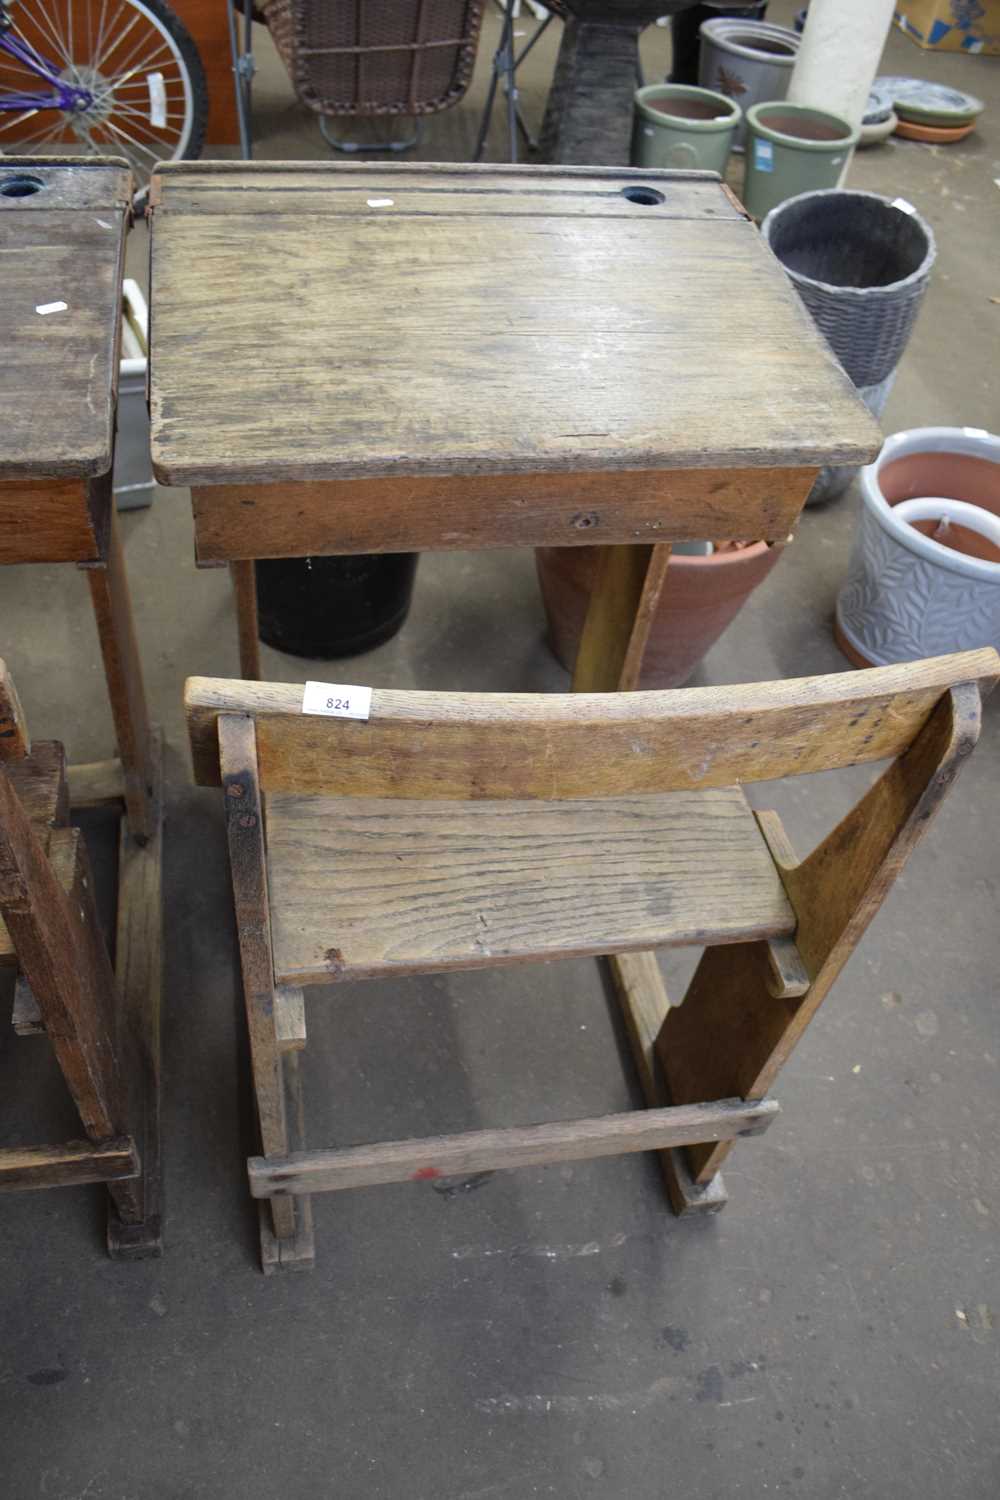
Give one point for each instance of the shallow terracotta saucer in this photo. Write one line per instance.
(934, 135)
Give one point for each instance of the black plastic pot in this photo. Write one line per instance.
(325, 607)
(684, 29)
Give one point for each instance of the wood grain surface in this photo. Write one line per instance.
(519, 1146)
(15, 740)
(363, 888)
(245, 834)
(76, 1162)
(505, 321)
(731, 1030)
(39, 783)
(139, 989)
(48, 520)
(64, 243)
(46, 909)
(628, 582)
(567, 745)
(112, 605)
(470, 512)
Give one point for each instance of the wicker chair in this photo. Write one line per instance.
(376, 57)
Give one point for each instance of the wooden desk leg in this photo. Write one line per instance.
(112, 604)
(627, 589)
(139, 976)
(245, 588)
(47, 902)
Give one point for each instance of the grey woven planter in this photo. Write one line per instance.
(861, 264)
(830, 484)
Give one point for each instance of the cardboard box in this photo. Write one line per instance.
(951, 25)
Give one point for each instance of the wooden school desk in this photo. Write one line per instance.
(62, 234)
(383, 358)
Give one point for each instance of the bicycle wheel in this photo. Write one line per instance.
(102, 77)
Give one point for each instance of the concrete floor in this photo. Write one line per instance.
(554, 1332)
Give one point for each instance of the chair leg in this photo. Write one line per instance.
(245, 831)
(297, 1251)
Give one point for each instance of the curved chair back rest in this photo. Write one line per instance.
(377, 57)
(458, 746)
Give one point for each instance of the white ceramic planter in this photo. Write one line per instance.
(748, 61)
(907, 596)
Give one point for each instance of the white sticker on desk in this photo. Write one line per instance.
(157, 100)
(337, 700)
(50, 307)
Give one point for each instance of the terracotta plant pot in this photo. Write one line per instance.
(908, 595)
(701, 596)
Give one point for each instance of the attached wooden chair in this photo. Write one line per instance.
(453, 831)
(65, 987)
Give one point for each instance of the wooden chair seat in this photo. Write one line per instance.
(362, 887)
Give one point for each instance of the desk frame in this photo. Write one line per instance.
(74, 520)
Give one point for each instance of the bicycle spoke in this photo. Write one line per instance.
(140, 145)
(125, 64)
(10, 66)
(100, 49)
(100, 29)
(25, 114)
(128, 68)
(51, 22)
(138, 121)
(118, 39)
(138, 168)
(31, 46)
(115, 90)
(137, 114)
(43, 137)
(143, 87)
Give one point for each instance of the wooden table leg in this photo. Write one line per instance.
(112, 604)
(244, 578)
(139, 977)
(627, 589)
(47, 902)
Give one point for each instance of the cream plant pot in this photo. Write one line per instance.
(906, 595)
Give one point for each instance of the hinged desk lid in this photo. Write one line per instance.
(326, 321)
(62, 230)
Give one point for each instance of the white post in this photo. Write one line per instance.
(839, 56)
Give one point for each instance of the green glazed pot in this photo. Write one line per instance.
(792, 149)
(678, 125)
